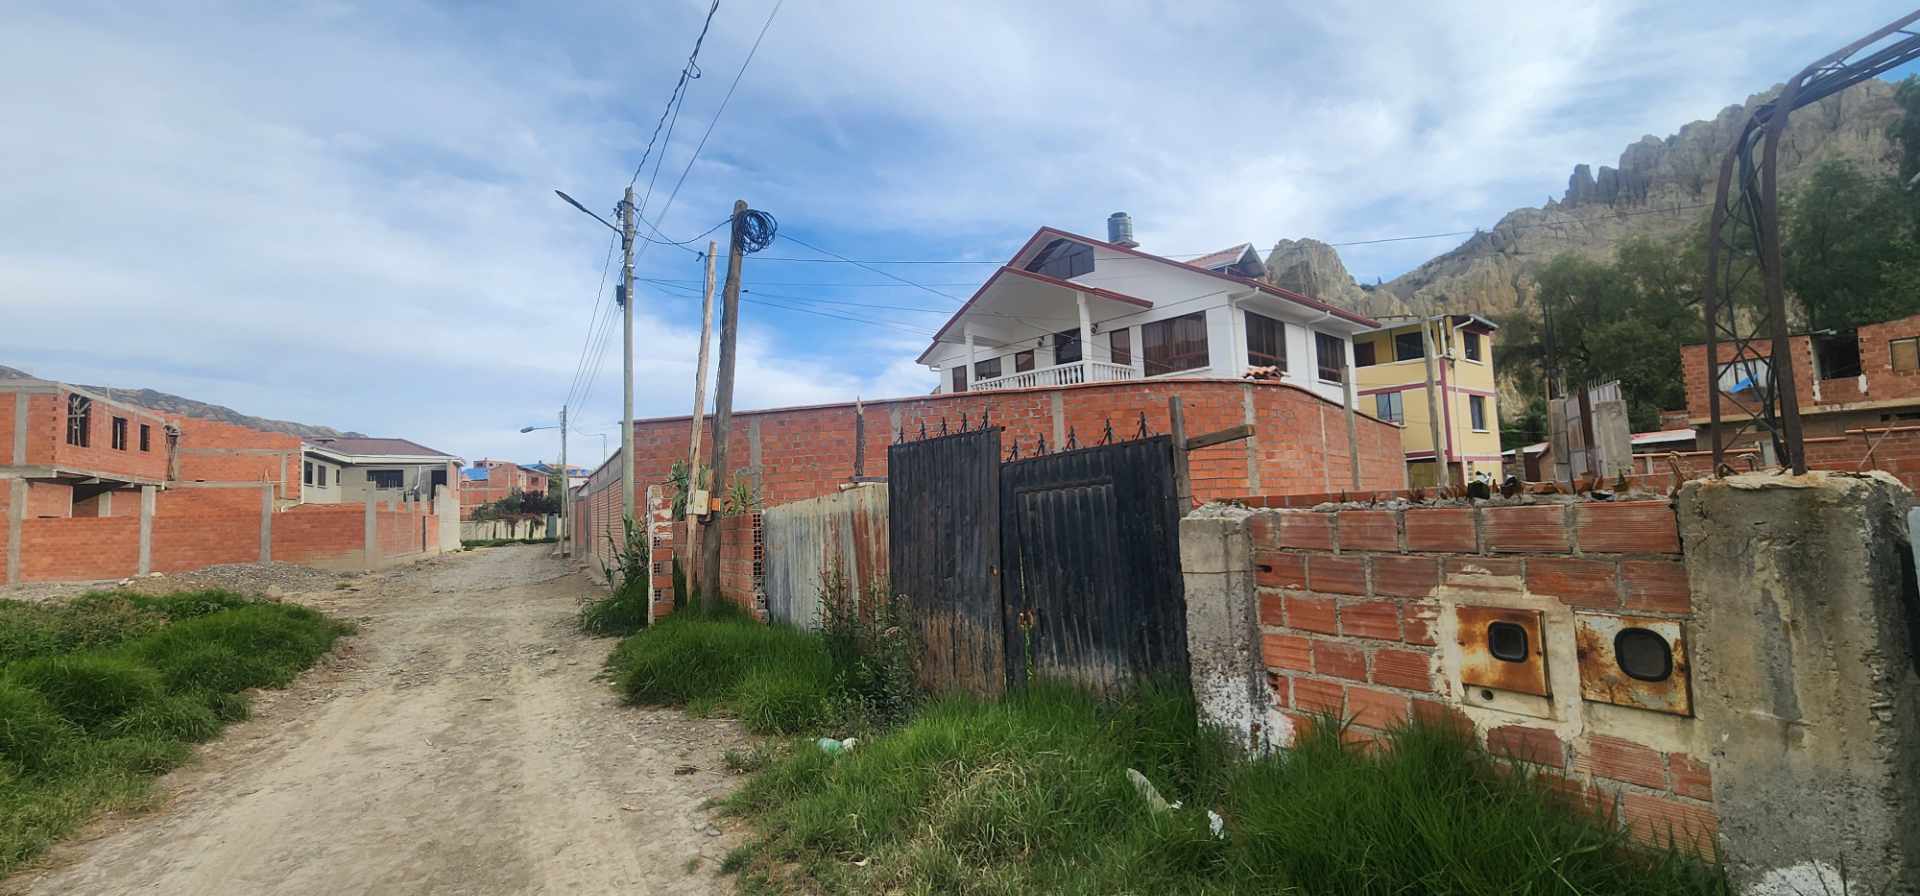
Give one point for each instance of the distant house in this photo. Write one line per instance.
(1068, 309)
(71, 452)
(348, 470)
(1845, 380)
(1391, 371)
(490, 480)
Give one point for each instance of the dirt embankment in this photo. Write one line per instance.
(458, 744)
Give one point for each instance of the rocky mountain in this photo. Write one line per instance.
(167, 403)
(1660, 189)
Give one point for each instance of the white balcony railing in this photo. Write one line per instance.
(1060, 375)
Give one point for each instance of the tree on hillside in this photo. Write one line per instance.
(1623, 320)
(1848, 247)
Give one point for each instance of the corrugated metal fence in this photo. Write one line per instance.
(807, 540)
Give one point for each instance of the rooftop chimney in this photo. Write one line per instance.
(1120, 230)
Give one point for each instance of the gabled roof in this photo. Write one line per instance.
(1242, 259)
(379, 446)
(1051, 233)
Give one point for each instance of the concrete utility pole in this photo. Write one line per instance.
(626, 372)
(1433, 402)
(697, 518)
(723, 395)
(1348, 395)
(566, 496)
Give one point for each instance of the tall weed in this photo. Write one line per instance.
(630, 578)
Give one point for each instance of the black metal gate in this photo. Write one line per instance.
(1090, 590)
(943, 546)
(1092, 584)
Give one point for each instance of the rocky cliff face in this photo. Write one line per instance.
(1660, 189)
(168, 403)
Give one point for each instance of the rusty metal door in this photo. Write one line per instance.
(1092, 590)
(943, 537)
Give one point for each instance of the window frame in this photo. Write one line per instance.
(958, 381)
(79, 420)
(1255, 321)
(986, 369)
(1390, 407)
(1064, 257)
(1120, 346)
(146, 437)
(306, 472)
(1477, 412)
(1364, 353)
(320, 475)
(1420, 341)
(375, 477)
(1470, 346)
(1911, 341)
(1023, 361)
(117, 433)
(1170, 327)
(1320, 343)
(1064, 338)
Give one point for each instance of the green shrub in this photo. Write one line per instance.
(873, 650)
(90, 690)
(91, 621)
(32, 733)
(1031, 796)
(190, 604)
(183, 717)
(260, 645)
(630, 582)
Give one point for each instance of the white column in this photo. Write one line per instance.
(968, 377)
(1086, 337)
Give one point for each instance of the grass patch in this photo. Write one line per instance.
(1031, 796)
(100, 694)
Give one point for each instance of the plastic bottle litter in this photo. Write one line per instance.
(833, 745)
(1217, 825)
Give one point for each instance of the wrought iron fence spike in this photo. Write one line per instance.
(1042, 448)
(1143, 425)
(963, 421)
(1106, 437)
(923, 429)
(984, 413)
(943, 426)
(1013, 453)
(1073, 440)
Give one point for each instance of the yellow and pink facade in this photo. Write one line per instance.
(1391, 376)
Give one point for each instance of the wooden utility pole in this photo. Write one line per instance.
(697, 517)
(626, 370)
(723, 395)
(1433, 402)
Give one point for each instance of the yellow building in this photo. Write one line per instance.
(1392, 376)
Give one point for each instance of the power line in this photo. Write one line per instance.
(599, 294)
(687, 73)
(868, 267)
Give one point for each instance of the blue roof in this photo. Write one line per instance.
(474, 474)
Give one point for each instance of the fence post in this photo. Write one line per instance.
(1182, 483)
(16, 518)
(266, 523)
(370, 534)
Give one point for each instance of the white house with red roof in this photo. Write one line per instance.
(1069, 309)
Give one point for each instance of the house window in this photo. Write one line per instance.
(306, 473)
(1390, 407)
(1066, 347)
(986, 370)
(119, 433)
(1472, 341)
(1064, 259)
(385, 479)
(1023, 361)
(1905, 354)
(320, 476)
(1836, 357)
(960, 378)
(1331, 353)
(79, 421)
(1175, 344)
(1266, 342)
(1363, 354)
(1477, 410)
(1408, 346)
(1120, 344)
(146, 437)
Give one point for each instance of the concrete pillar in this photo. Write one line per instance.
(1223, 628)
(146, 528)
(16, 519)
(370, 534)
(971, 357)
(1086, 334)
(19, 455)
(103, 505)
(1805, 677)
(1248, 417)
(266, 524)
(1058, 403)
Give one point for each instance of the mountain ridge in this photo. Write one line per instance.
(168, 403)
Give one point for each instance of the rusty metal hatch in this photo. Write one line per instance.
(1621, 662)
(1503, 649)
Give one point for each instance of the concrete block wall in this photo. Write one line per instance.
(1780, 608)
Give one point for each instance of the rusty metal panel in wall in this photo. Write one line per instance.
(1634, 661)
(843, 535)
(1502, 648)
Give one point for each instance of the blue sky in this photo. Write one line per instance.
(341, 213)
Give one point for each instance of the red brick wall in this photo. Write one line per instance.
(1351, 606)
(47, 439)
(56, 550)
(320, 534)
(183, 543)
(1883, 383)
(49, 499)
(808, 452)
(211, 451)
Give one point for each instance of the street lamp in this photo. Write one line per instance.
(624, 295)
(566, 484)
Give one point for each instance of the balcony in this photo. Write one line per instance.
(1072, 374)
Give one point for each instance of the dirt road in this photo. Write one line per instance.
(457, 745)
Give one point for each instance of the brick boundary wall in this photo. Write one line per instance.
(1784, 738)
